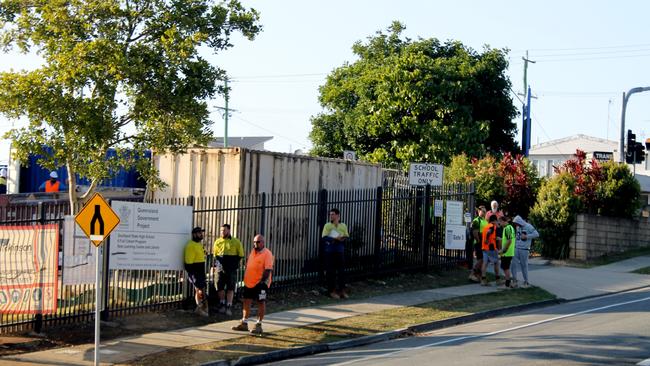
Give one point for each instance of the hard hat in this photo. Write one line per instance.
(54, 175)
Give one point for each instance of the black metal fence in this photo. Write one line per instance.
(392, 229)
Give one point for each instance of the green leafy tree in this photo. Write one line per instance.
(124, 74)
(554, 213)
(488, 181)
(415, 101)
(460, 170)
(618, 193)
(520, 183)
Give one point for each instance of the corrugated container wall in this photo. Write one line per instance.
(208, 172)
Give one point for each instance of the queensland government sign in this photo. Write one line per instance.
(421, 174)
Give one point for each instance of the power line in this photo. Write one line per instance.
(271, 131)
(584, 48)
(593, 53)
(592, 58)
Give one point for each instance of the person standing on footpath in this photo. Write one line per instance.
(335, 234)
(489, 247)
(478, 224)
(257, 279)
(507, 247)
(194, 259)
(228, 253)
(494, 205)
(525, 233)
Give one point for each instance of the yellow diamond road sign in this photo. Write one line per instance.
(97, 219)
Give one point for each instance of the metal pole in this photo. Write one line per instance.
(225, 133)
(97, 301)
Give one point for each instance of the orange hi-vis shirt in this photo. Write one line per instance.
(49, 187)
(489, 238)
(256, 265)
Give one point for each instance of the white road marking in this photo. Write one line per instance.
(452, 340)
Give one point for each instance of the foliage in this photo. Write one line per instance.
(116, 74)
(554, 213)
(618, 193)
(415, 101)
(488, 181)
(588, 177)
(460, 170)
(520, 182)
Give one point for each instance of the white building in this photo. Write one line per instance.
(546, 155)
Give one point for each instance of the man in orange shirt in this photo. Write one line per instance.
(490, 249)
(257, 279)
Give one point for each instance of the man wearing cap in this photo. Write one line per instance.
(53, 184)
(195, 267)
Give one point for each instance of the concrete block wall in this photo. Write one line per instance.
(595, 236)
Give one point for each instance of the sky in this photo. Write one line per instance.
(587, 54)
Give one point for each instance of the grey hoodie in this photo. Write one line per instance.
(523, 226)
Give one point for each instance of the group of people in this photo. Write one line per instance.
(228, 253)
(502, 243)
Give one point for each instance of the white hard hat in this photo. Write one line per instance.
(54, 175)
(3, 173)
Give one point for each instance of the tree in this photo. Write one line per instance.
(618, 193)
(416, 101)
(123, 74)
(520, 182)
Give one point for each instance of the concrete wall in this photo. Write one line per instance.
(598, 235)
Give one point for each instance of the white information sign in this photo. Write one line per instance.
(468, 217)
(437, 208)
(454, 214)
(150, 236)
(349, 155)
(78, 255)
(455, 237)
(421, 174)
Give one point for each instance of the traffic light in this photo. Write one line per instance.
(639, 153)
(631, 146)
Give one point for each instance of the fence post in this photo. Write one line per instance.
(426, 228)
(378, 226)
(263, 214)
(321, 219)
(38, 318)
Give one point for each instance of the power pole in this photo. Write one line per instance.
(226, 113)
(526, 125)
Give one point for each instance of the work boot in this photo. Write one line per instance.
(242, 326)
(222, 309)
(229, 310)
(473, 277)
(484, 282)
(257, 329)
(343, 294)
(334, 295)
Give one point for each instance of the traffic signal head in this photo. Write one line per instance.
(639, 153)
(631, 147)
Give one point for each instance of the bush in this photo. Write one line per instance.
(618, 193)
(554, 213)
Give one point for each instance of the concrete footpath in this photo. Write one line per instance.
(565, 282)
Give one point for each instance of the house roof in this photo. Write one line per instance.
(245, 142)
(568, 145)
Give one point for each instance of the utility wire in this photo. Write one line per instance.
(271, 131)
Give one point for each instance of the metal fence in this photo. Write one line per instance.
(392, 229)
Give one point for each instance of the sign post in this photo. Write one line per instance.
(97, 219)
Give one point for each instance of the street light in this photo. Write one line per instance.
(626, 97)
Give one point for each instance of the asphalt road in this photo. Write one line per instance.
(612, 330)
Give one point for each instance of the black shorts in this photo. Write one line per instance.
(505, 263)
(254, 293)
(226, 280)
(197, 279)
(478, 251)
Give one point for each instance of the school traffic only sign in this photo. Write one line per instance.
(97, 219)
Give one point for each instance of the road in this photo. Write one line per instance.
(611, 330)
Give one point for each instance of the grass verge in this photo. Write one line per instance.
(346, 328)
(644, 270)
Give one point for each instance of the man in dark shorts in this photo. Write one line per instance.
(478, 224)
(194, 260)
(228, 253)
(257, 279)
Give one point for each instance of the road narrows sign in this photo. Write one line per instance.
(97, 219)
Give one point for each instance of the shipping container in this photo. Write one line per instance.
(209, 172)
(28, 176)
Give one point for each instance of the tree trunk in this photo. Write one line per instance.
(72, 189)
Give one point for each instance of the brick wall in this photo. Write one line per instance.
(598, 235)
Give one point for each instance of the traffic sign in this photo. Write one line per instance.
(97, 219)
